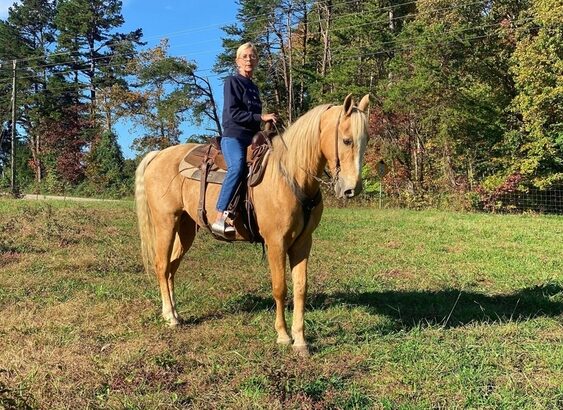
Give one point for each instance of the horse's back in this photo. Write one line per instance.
(169, 156)
(162, 180)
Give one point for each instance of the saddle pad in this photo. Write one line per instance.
(214, 177)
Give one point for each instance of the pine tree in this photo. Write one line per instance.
(88, 46)
(30, 34)
(170, 92)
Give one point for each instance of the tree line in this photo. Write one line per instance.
(467, 94)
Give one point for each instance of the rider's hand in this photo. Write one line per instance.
(269, 117)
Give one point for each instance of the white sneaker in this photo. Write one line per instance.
(222, 228)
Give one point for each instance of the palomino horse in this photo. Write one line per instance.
(287, 202)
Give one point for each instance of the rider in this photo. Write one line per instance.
(242, 115)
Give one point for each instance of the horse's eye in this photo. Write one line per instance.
(347, 141)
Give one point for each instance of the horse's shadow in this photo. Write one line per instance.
(448, 308)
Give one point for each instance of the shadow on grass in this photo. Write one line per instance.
(448, 308)
(14, 399)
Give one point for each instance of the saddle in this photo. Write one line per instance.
(205, 163)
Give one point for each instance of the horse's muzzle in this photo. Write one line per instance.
(347, 191)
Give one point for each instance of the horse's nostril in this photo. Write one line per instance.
(349, 193)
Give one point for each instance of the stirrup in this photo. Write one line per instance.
(223, 228)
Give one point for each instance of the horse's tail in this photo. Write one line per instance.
(146, 228)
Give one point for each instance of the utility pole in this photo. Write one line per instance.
(13, 184)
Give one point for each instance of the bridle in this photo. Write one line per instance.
(337, 169)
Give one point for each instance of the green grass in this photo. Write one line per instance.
(406, 310)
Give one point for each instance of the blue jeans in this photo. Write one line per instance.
(234, 152)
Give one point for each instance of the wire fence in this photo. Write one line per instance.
(531, 200)
(549, 201)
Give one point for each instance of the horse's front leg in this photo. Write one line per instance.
(298, 257)
(276, 260)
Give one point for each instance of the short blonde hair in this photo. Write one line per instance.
(246, 46)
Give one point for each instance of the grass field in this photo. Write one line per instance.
(406, 310)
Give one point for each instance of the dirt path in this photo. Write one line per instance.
(65, 198)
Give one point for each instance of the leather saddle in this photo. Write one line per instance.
(205, 163)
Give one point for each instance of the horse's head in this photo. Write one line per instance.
(344, 144)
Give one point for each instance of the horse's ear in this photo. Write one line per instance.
(364, 103)
(348, 104)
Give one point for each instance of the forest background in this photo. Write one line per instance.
(468, 95)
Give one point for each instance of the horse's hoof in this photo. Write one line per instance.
(286, 341)
(301, 350)
(174, 322)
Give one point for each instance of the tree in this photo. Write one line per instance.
(31, 33)
(170, 92)
(349, 41)
(88, 47)
(67, 134)
(104, 164)
(538, 75)
(445, 84)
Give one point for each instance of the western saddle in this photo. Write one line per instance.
(205, 163)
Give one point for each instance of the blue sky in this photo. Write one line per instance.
(193, 28)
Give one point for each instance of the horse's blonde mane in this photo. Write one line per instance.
(360, 127)
(298, 149)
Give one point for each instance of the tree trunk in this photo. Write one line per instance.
(277, 96)
(325, 34)
(91, 73)
(304, 59)
(448, 168)
(289, 69)
(285, 69)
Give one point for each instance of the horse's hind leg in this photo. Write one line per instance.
(183, 240)
(165, 227)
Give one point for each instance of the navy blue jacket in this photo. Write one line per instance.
(242, 108)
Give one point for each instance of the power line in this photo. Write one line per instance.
(192, 55)
(399, 43)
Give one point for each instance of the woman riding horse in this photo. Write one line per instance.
(287, 202)
(242, 115)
